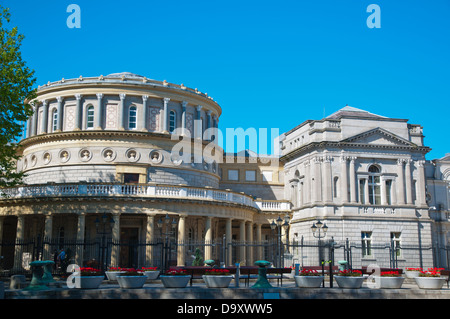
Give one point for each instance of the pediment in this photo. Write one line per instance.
(380, 137)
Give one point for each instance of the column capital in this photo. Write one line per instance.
(420, 163)
(184, 103)
(59, 99)
(144, 98)
(44, 102)
(122, 96)
(400, 161)
(199, 108)
(78, 96)
(166, 100)
(99, 95)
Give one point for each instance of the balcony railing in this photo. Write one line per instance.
(139, 190)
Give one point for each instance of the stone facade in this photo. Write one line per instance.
(138, 150)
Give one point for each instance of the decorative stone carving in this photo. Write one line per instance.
(132, 155)
(33, 160)
(156, 157)
(108, 154)
(47, 158)
(85, 155)
(64, 156)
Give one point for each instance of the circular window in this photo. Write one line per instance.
(108, 154)
(85, 155)
(156, 157)
(132, 155)
(64, 156)
(47, 157)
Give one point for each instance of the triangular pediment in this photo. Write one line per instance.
(379, 136)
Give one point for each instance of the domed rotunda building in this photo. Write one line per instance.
(110, 159)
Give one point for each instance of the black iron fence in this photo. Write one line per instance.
(163, 253)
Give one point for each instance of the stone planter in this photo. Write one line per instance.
(88, 282)
(112, 275)
(151, 274)
(131, 281)
(384, 282)
(308, 281)
(349, 282)
(430, 282)
(412, 274)
(213, 281)
(175, 281)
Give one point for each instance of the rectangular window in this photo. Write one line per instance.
(90, 117)
(366, 244)
(388, 192)
(250, 176)
(131, 178)
(267, 176)
(233, 175)
(396, 243)
(362, 183)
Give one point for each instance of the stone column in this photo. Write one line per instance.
(400, 183)
(120, 115)
(78, 112)
(116, 239)
(307, 184)
(142, 117)
(48, 227)
(408, 182)
(259, 250)
(59, 122)
(183, 117)
(317, 191)
(208, 238)
(208, 124)
(165, 115)
(98, 115)
(198, 123)
(149, 238)
(181, 239)
(44, 119)
(327, 181)
(20, 232)
(80, 239)
(242, 256)
(228, 240)
(34, 120)
(383, 191)
(352, 180)
(421, 184)
(249, 243)
(344, 179)
(366, 191)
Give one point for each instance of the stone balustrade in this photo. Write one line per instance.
(139, 190)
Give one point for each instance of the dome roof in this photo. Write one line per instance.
(125, 74)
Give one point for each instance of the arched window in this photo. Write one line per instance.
(132, 117)
(374, 185)
(90, 117)
(54, 120)
(172, 121)
(335, 186)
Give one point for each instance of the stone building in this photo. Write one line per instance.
(135, 152)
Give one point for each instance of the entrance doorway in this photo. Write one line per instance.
(129, 239)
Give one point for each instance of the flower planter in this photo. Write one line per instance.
(131, 281)
(412, 274)
(217, 281)
(175, 281)
(88, 282)
(112, 275)
(151, 274)
(389, 282)
(430, 282)
(308, 281)
(352, 282)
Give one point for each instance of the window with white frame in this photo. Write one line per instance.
(374, 185)
(396, 243)
(366, 244)
(132, 118)
(233, 175)
(54, 120)
(90, 117)
(172, 121)
(250, 175)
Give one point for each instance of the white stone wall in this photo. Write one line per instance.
(175, 176)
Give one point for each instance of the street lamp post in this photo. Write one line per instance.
(104, 227)
(167, 226)
(277, 225)
(319, 231)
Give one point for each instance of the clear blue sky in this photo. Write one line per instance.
(302, 59)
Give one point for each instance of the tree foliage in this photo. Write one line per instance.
(16, 91)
